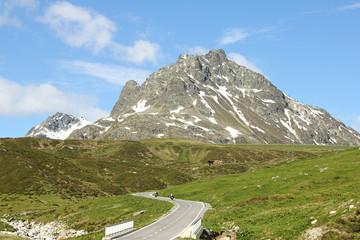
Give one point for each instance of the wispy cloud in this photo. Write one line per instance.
(132, 17)
(334, 10)
(197, 49)
(311, 12)
(356, 124)
(241, 60)
(111, 73)
(84, 28)
(7, 8)
(349, 7)
(20, 100)
(233, 35)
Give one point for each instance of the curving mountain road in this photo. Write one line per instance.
(172, 225)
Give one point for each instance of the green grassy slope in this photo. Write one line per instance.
(77, 169)
(92, 214)
(10, 237)
(280, 202)
(80, 182)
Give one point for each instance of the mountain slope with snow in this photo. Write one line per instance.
(58, 126)
(211, 98)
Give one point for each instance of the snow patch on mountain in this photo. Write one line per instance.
(233, 132)
(58, 126)
(202, 95)
(211, 119)
(196, 119)
(188, 123)
(257, 128)
(109, 119)
(177, 110)
(267, 100)
(140, 106)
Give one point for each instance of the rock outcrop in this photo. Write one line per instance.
(42, 231)
(58, 126)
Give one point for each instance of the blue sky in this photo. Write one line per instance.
(75, 56)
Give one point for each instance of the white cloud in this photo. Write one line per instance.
(349, 7)
(79, 27)
(7, 15)
(20, 100)
(241, 60)
(233, 35)
(197, 49)
(139, 53)
(111, 73)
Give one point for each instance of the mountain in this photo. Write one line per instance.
(58, 126)
(211, 98)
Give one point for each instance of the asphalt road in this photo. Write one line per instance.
(172, 225)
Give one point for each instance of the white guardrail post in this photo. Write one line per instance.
(119, 227)
(194, 230)
(196, 226)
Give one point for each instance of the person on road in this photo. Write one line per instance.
(172, 196)
(156, 194)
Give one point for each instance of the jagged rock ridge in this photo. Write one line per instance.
(58, 126)
(211, 98)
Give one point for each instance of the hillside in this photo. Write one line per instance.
(293, 200)
(76, 169)
(78, 182)
(90, 215)
(212, 99)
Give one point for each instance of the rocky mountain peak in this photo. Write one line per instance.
(217, 56)
(58, 126)
(128, 94)
(211, 98)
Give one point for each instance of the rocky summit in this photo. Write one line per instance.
(58, 126)
(211, 98)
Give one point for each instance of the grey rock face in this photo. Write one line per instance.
(213, 99)
(128, 95)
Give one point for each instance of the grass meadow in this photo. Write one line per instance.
(282, 201)
(267, 191)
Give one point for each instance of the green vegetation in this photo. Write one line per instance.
(90, 215)
(6, 227)
(10, 237)
(282, 201)
(76, 169)
(269, 191)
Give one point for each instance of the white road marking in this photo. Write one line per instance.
(190, 206)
